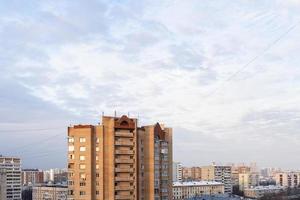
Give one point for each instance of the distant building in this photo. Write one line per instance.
(184, 190)
(49, 192)
(288, 179)
(32, 177)
(177, 172)
(248, 180)
(2, 184)
(221, 174)
(191, 173)
(12, 167)
(259, 191)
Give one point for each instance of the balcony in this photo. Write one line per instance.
(124, 143)
(120, 160)
(124, 170)
(123, 187)
(125, 179)
(124, 134)
(127, 197)
(124, 152)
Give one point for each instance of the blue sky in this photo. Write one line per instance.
(66, 62)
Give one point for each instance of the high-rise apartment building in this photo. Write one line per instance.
(177, 172)
(2, 184)
(155, 162)
(32, 177)
(12, 167)
(118, 160)
(220, 174)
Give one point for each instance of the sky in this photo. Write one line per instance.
(225, 75)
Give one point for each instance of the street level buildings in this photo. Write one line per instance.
(259, 191)
(221, 174)
(49, 192)
(184, 190)
(12, 167)
(119, 160)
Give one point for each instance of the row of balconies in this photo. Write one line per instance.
(123, 143)
(124, 169)
(124, 197)
(123, 134)
(126, 152)
(124, 187)
(124, 160)
(125, 179)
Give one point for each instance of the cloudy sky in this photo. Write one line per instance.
(224, 74)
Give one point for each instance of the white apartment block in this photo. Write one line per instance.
(288, 179)
(177, 172)
(12, 167)
(218, 173)
(184, 190)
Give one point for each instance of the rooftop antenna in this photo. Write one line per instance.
(128, 114)
(102, 113)
(115, 113)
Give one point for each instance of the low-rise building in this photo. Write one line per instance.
(259, 191)
(248, 180)
(53, 192)
(184, 190)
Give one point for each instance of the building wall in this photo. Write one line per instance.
(177, 171)
(288, 179)
(2, 184)
(12, 167)
(32, 177)
(49, 193)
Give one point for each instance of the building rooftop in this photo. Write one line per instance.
(196, 183)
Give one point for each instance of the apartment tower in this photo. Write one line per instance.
(103, 160)
(11, 166)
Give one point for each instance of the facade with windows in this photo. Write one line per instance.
(218, 173)
(288, 179)
(49, 192)
(107, 161)
(12, 168)
(185, 190)
(177, 172)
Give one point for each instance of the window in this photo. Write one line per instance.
(82, 193)
(71, 139)
(82, 148)
(82, 139)
(97, 140)
(82, 184)
(82, 158)
(97, 166)
(82, 175)
(97, 148)
(97, 158)
(71, 156)
(97, 192)
(82, 166)
(71, 148)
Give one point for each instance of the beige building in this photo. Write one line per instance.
(32, 177)
(184, 190)
(221, 174)
(2, 184)
(288, 179)
(191, 173)
(49, 192)
(119, 160)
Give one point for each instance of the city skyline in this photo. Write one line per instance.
(224, 75)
